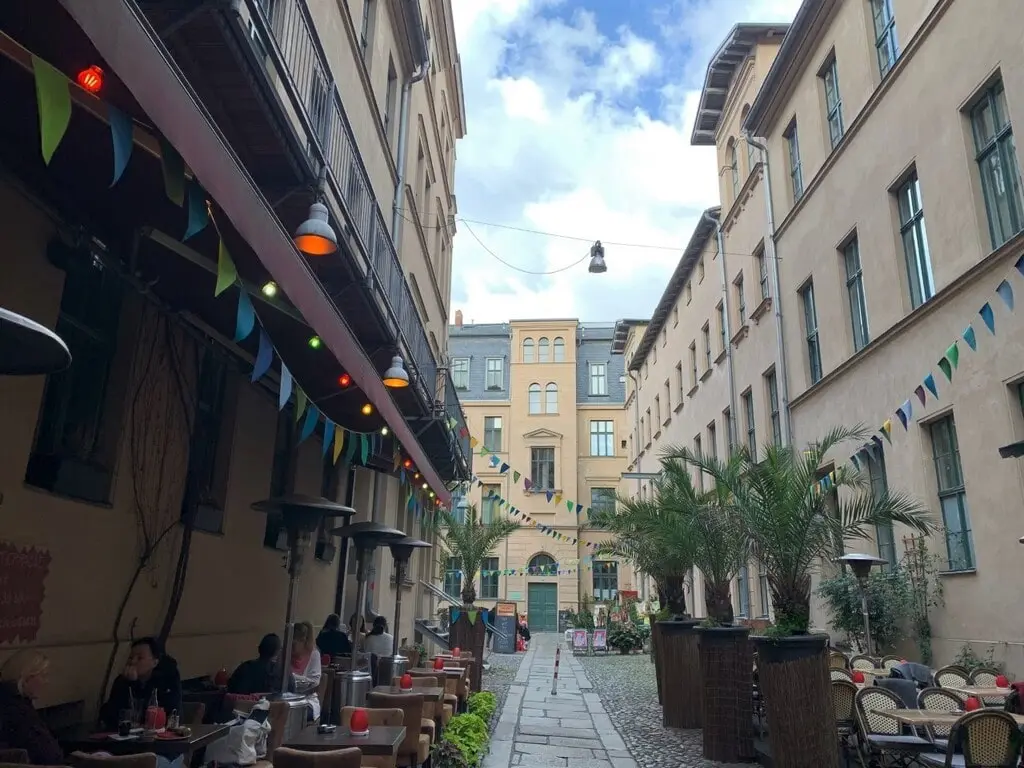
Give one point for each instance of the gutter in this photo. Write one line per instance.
(772, 253)
(727, 314)
(418, 41)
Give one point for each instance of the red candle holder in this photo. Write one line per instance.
(858, 676)
(405, 683)
(456, 652)
(1002, 681)
(438, 663)
(971, 704)
(359, 724)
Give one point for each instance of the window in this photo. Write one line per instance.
(700, 273)
(699, 453)
(885, 35)
(453, 578)
(705, 333)
(762, 272)
(723, 333)
(543, 350)
(952, 494)
(748, 414)
(602, 438)
(996, 153)
(551, 398)
(680, 387)
(668, 400)
(796, 174)
(713, 440)
(492, 433)
(75, 447)
(642, 422)
(559, 349)
(489, 578)
(460, 372)
(734, 169)
(490, 498)
(602, 500)
(833, 101)
(657, 411)
(741, 302)
(366, 31)
(689, 292)
(730, 434)
(762, 588)
(209, 452)
(855, 292)
(664, 336)
(650, 426)
(495, 373)
(528, 350)
(772, 387)
(598, 379)
(693, 364)
(675, 315)
(743, 591)
(543, 565)
(542, 468)
(391, 105)
(811, 331)
(915, 241)
(884, 535)
(752, 158)
(535, 401)
(606, 580)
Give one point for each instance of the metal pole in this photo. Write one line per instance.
(401, 572)
(554, 681)
(867, 622)
(289, 610)
(360, 601)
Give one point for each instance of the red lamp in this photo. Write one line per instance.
(971, 704)
(456, 652)
(325, 659)
(359, 724)
(344, 380)
(1002, 681)
(91, 79)
(858, 676)
(221, 678)
(438, 663)
(407, 463)
(405, 683)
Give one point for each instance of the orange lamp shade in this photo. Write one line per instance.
(315, 245)
(405, 683)
(91, 79)
(972, 703)
(438, 663)
(858, 676)
(315, 237)
(359, 723)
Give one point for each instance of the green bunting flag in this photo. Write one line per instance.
(301, 401)
(471, 615)
(54, 102)
(227, 273)
(173, 168)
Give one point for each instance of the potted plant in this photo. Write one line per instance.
(624, 637)
(795, 524)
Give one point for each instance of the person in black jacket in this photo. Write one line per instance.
(22, 678)
(148, 669)
(332, 640)
(262, 674)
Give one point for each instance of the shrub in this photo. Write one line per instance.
(483, 704)
(625, 637)
(447, 755)
(468, 732)
(890, 602)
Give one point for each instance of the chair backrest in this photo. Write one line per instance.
(387, 718)
(952, 675)
(142, 760)
(239, 702)
(870, 701)
(278, 719)
(838, 660)
(940, 700)
(193, 712)
(989, 739)
(905, 689)
(425, 681)
(840, 674)
(338, 758)
(844, 693)
(19, 756)
(412, 705)
(860, 661)
(888, 662)
(323, 689)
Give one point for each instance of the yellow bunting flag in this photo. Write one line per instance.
(339, 442)
(227, 274)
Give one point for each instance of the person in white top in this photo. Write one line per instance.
(379, 642)
(306, 665)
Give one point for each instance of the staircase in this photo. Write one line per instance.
(433, 630)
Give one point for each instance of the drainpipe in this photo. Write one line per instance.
(772, 254)
(636, 429)
(727, 312)
(415, 21)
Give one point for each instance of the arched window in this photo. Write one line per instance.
(559, 349)
(551, 398)
(535, 406)
(734, 163)
(543, 351)
(542, 562)
(527, 350)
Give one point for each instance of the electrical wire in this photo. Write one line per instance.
(520, 269)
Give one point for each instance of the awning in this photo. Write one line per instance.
(122, 35)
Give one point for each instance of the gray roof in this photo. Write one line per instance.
(701, 234)
(622, 334)
(733, 51)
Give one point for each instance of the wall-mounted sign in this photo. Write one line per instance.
(23, 572)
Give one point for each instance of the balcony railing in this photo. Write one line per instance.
(453, 408)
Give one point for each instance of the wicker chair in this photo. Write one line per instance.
(841, 674)
(336, 758)
(988, 739)
(861, 661)
(881, 736)
(939, 700)
(986, 678)
(888, 662)
(844, 695)
(952, 676)
(838, 660)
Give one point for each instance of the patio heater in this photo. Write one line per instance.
(29, 349)
(302, 516)
(861, 565)
(401, 551)
(365, 536)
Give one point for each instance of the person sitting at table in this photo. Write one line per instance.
(379, 643)
(148, 669)
(262, 674)
(22, 679)
(332, 640)
(355, 635)
(306, 665)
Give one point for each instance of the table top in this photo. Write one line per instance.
(926, 716)
(429, 693)
(981, 691)
(381, 740)
(85, 739)
(447, 671)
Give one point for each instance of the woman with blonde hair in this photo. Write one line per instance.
(306, 664)
(22, 679)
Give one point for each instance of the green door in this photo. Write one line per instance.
(542, 607)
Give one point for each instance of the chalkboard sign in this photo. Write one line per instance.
(505, 620)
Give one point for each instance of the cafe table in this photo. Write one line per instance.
(428, 693)
(380, 741)
(920, 717)
(85, 739)
(980, 691)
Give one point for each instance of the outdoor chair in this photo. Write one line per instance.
(882, 737)
(888, 662)
(449, 701)
(905, 689)
(840, 674)
(861, 661)
(18, 756)
(193, 712)
(337, 758)
(142, 760)
(415, 747)
(393, 718)
(987, 738)
(986, 678)
(939, 700)
(952, 676)
(844, 695)
(838, 660)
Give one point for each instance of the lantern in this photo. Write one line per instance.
(91, 79)
(858, 676)
(438, 663)
(1002, 681)
(359, 724)
(406, 682)
(972, 703)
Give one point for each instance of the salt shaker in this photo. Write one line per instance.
(172, 721)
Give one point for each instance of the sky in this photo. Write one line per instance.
(579, 114)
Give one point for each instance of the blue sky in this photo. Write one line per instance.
(579, 118)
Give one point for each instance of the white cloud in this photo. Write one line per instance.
(558, 142)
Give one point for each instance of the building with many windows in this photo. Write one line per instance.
(884, 141)
(543, 401)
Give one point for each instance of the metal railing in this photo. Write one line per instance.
(285, 32)
(453, 409)
(440, 594)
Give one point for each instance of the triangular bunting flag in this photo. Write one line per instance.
(971, 338)
(1020, 265)
(300, 403)
(339, 442)
(264, 357)
(579, 508)
(953, 355)
(929, 382)
(550, 495)
(455, 614)
(902, 416)
(198, 213)
(945, 367)
(350, 448)
(1005, 291)
(173, 168)
(54, 103)
(515, 476)
(364, 449)
(887, 430)
(919, 391)
(568, 505)
(328, 436)
(504, 468)
(309, 425)
(988, 316)
(122, 134)
(471, 615)
(227, 274)
(558, 498)
(245, 316)
(286, 387)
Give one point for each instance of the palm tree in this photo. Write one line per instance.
(794, 525)
(468, 541)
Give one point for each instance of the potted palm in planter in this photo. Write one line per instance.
(466, 542)
(795, 526)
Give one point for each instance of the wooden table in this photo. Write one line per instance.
(979, 691)
(451, 673)
(428, 693)
(85, 739)
(382, 740)
(928, 716)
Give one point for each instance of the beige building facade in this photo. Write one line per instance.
(543, 401)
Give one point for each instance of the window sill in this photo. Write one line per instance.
(647, 445)
(693, 391)
(535, 491)
(657, 434)
(721, 357)
(707, 373)
(960, 572)
(407, 585)
(489, 389)
(740, 335)
(761, 309)
(665, 423)
(678, 407)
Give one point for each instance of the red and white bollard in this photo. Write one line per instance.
(554, 681)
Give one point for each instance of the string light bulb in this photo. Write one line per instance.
(269, 289)
(425, 486)
(431, 494)
(344, 380)
(314, 342)
(407, 463)
(384, 431)
(366, 410)
(91, 79)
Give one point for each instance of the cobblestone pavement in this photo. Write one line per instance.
(605, 714)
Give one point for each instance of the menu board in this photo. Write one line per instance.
(579, 640)
(600, 639)
(23, 572)
(503, 618)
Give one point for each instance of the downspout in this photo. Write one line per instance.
(415, 21)
(772, 254)
(727, 314)
(636, 429)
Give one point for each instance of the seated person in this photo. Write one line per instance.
(148, 670)
(379, 643)
(332, 640)
(355, 635)
(262, 674)
(22, 679)
(306, 665)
